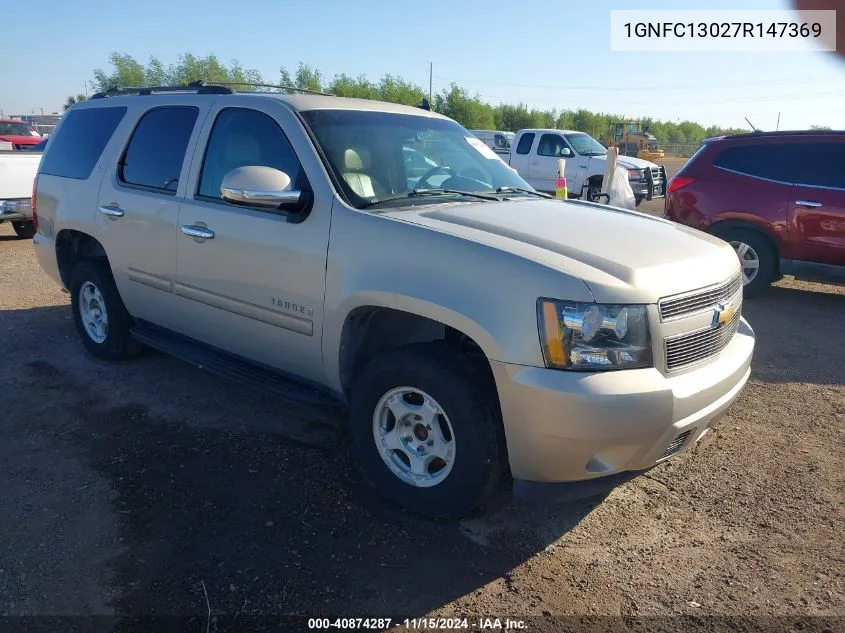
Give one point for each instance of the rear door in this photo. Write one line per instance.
(138, 206)
(254, 286)
(817, 208)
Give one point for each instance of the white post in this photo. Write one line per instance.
(609, 169)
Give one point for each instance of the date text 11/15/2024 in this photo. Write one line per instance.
(412, 624)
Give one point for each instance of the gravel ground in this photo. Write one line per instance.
(150, 487)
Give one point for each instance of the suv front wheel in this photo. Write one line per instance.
(426, 432)
(98, 311)
(757, 259)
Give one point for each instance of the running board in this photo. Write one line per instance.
(253, 376)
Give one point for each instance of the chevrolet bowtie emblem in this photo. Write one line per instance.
(722, 315)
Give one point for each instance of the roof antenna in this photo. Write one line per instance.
(752, 125)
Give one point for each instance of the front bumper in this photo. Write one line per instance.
(652, 186)
(18, 209)
(566, 426)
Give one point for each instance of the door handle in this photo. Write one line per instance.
(810, 204)
(198, 231)
(111, 211)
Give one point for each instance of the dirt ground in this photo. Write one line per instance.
(150, 487)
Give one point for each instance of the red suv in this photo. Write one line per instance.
(777, 197)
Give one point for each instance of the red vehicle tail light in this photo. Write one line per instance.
(34, 212)
(679, 182)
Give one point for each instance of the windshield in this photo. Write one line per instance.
(15, 128)
(586, 145)
(389, 157)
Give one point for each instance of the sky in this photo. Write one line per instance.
(544, 53)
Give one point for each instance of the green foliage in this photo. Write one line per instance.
(819, 127)
(469, 111)
(455, 102)
(129, 72)
(72, 100)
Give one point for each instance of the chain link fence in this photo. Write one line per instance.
(680, 150)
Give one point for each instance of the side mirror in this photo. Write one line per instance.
(566, 152)
(258, 186)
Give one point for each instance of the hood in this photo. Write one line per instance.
(629, 162)
(623, 256)
(21, 139)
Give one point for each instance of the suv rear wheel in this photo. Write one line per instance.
(98, 311)
(757, 259)
(425, 431)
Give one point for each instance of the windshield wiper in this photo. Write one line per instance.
(416, 193)
(522, 190)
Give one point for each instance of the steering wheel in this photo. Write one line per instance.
(431, 172)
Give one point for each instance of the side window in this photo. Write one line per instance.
(499, 141)
(153, 159)
(242, 137)
(550, 145)
(819, 164)
(765, 160)
(76, 148)
(525, 143)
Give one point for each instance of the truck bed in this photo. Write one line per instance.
(17, 172)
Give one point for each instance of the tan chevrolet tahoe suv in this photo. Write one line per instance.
(380, 257)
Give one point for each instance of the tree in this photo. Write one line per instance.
(72, 100)
(471, 112)
(819, 127)
(129, 72)
(455, 102)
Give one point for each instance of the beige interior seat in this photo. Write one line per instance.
(356, 162)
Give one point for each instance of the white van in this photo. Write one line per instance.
(499, 142)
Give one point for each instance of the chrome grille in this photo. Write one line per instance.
(698, 301)
(676, 444)
(693, 347)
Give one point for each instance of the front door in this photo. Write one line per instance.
(817, 207)
(251, 282)
(545, 164)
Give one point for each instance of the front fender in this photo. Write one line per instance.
(487, 293)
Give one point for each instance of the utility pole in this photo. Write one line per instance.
(778, 125)
(430, 79)
(85, 89)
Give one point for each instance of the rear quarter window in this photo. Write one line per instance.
(76, 147)
(763, 160)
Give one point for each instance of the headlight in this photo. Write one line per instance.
(636, 174)
(593, 336)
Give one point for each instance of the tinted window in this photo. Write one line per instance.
(768, 160)
(525, 143)
(819, 164)
(246, 137)
(82, 135)
(156, 151)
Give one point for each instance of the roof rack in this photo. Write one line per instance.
(199, 87)
(278, 87)
(782, 133)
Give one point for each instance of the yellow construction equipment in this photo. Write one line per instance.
(632, 140)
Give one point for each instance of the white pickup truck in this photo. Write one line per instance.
(17, 174)
(535, 154)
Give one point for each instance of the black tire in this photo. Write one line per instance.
(480, 456)
(118, 343)
(25, 230)
(766, 255)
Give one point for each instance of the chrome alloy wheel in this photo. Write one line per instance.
(749, 260)
(414, 437)
(92, 311)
